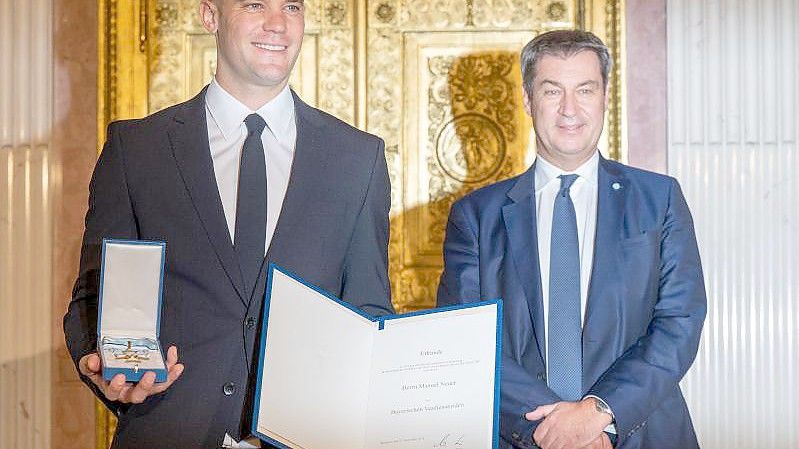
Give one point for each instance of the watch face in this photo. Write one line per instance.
(601, 406)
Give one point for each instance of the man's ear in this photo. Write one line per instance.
(527, 104)
(209, 15)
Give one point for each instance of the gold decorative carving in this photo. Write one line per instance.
(474, 113)
(112, 67)
(469, 13)
(435, 14)
(385, 12)
(313, 16)
(384, 103)
(613, 29)
(201, 62)
(481, 82)
(167, 80)
(420, 283)
(336, 74)
(144, 25)
(471, 112)
(556, 11)
(580, 14)
(508, 14)
(123, 75)
(166, 15)
(336, 14)
(470, 148)
(464, 126)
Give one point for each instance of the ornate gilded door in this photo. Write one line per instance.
(439, 80)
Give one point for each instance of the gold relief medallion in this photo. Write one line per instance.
(556, 11)
(166, 15)
(336, 13)
(385, 12)
(470, 148)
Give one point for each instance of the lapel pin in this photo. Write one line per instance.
(615, 186)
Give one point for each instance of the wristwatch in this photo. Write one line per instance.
(602, 406)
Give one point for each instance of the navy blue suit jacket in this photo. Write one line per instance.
(645, 310)
(155, 181)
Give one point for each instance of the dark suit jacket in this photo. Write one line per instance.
(646, 300)
(155, 181)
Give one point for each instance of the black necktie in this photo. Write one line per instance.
(250, 234)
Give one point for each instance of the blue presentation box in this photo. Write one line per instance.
(129, 316)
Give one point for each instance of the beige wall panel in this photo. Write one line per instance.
(73, 153)
(733, 118)
(25, 223)
(25, 281)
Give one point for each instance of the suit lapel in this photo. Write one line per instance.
(520, 223)
(605, 277)
(309, 165)
(189, 139)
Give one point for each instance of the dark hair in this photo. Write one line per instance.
(563, 43)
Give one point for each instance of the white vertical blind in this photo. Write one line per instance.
(733, 118)
(25, 222)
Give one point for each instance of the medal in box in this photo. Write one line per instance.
(131, 287)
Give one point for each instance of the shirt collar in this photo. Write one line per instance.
(546, 172)
(229, 113)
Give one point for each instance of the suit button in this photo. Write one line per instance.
(250, 323)
(541, 376)
(229, 388)
(515, 435)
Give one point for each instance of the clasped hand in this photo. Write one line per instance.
(117, 389)
(571, 425)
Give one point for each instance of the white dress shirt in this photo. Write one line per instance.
(583, 194)
(226, 134)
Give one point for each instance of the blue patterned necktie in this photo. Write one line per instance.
(564, 334)
(250, 235)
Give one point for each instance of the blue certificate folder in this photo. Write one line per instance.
(129, 317)
(333, 377)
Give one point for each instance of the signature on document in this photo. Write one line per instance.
(445, 441)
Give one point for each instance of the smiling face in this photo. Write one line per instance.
(258, 42)
(567, 104)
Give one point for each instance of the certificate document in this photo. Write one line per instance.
(332, 377)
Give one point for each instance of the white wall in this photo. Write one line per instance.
(25, 222)
(733, 115)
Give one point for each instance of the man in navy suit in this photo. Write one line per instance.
(240, 176)
(598, 267)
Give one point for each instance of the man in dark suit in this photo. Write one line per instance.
(598, 267)
(240, 176)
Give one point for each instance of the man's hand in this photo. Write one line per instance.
(117, 389)
(569, 425)
(603, 442)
